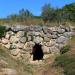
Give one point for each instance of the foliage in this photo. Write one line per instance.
(21, 16)
(67, 61)
(65, 49)
(48, 13)
(2, 31)
(60, 15)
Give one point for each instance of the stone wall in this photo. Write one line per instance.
(20, 39)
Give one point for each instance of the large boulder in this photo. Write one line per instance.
(48, 35)
(7, 36)
(46, 39)
(4, 41)
(38, 39)
(13, 46)
(54, 50)
(20, 34)
(53, 42)
(49, 31)
(61, 39)
(36, 33)
(29, 38)
(59, 46)
(29, 33)
(28, 46)
(11, 33)
(15, 52)
(54, 36)
(48, 44)
(7, 45)
(41, 34)
(60, 31)
(13, 39)
(45, 49)
(67, 29)
(68, 34)
(54, 29)
(35, 28)
(22, 39)
(17, 28)
(45, 29)
(20, 45)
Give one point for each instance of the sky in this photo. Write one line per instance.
(8, 7)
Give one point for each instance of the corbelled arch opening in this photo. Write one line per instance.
(37, 52)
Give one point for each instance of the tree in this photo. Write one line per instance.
(2, 31)
(24, 14)
(48, 13)
(69, 11)
(12, 17)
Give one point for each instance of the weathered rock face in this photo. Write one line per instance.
(23, 38)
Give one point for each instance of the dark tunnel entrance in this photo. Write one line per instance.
(37, 52)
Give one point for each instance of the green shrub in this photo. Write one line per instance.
(2, 31)
(67, 62)
(65, 49)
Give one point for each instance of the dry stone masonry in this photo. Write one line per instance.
(20, 39)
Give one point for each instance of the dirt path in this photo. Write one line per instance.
(46, 69)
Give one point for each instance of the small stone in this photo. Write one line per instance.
(15, 52)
